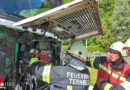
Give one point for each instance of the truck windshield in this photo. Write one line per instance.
(29, 8)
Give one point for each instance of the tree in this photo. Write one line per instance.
(66, 43)
(91, 41)
(121, 20)
(106, 40)
(106, 10)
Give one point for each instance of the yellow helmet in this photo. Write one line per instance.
(78, 50)
(127, 44)
(118, 46)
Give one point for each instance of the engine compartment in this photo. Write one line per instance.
(15, 58)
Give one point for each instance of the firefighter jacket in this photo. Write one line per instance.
(61, 77)
(110, 76)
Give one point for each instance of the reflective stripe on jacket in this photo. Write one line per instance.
(114, 79)
(62, 77)
(113, 76)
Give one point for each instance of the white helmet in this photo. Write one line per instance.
(78, 50)
(127, 44)
(118, 46)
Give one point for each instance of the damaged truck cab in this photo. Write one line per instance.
(40, 24)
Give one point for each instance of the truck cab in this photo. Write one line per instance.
(43, 25)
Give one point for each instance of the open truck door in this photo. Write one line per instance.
(74, 21)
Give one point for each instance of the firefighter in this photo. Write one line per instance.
(127, 47)
(113, 71)
(73, 75)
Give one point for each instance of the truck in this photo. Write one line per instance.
(43, 25)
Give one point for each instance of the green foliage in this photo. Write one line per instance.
(129, 2)
(121, 20)
(67, 1)
(91, 41)
(84, 42)
(106, 10)
(66, 43)
(106, 40)
(89, 48)
(94, 49)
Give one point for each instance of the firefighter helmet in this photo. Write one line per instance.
(78, 50)
(118, 46)
(76, 56)
(127, 44)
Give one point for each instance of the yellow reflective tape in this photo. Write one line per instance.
(69, 87)
(107, 86)
(33, 60)
(92, 62)
(126, 85)
(105, 69)
(113, 74)
(90, 87)
(46, 73)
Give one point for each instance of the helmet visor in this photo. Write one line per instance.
(77, 64)
(74, 62)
